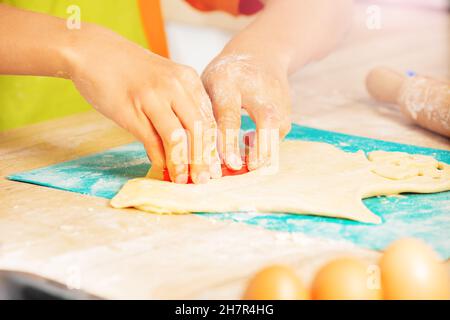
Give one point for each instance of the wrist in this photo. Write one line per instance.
(75, 48)
(71, 49)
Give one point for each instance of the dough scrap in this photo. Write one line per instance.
(388, 163)
(313, 178)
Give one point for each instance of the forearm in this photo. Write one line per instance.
(33, 43)
(295, 32)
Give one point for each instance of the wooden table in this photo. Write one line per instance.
(80, 241)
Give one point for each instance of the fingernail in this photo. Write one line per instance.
(216, 169)
(182, 178)
(265, 162)
(179, 169)
(253, 165)
(234, 161)
(201, 178)
(258, 163)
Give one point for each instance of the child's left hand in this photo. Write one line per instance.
(252, 70)
(260, 86)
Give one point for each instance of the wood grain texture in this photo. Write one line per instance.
(80, 240)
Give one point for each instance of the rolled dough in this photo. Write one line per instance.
(313, 178)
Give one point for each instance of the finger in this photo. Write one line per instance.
(285, 128)
(155, 151)
(173, 137)
(268, 124)
(195, 114)
(210, 137)
(142, 128)
(226, 104)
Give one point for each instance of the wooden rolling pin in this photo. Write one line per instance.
(424, 100)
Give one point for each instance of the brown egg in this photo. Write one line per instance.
(276, 283)
(412, 270)
(347, 279)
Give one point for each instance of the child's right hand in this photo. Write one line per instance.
(150, 96)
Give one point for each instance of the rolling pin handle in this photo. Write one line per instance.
(384, 84)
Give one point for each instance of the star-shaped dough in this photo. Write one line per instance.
(313, 178)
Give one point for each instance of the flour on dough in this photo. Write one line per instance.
(313, 178)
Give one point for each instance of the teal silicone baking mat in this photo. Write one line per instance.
(425, 216)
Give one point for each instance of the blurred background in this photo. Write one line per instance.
(188, 29)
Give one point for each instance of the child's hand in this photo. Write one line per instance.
(235, 81)
(252, 70)
(150, 96)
